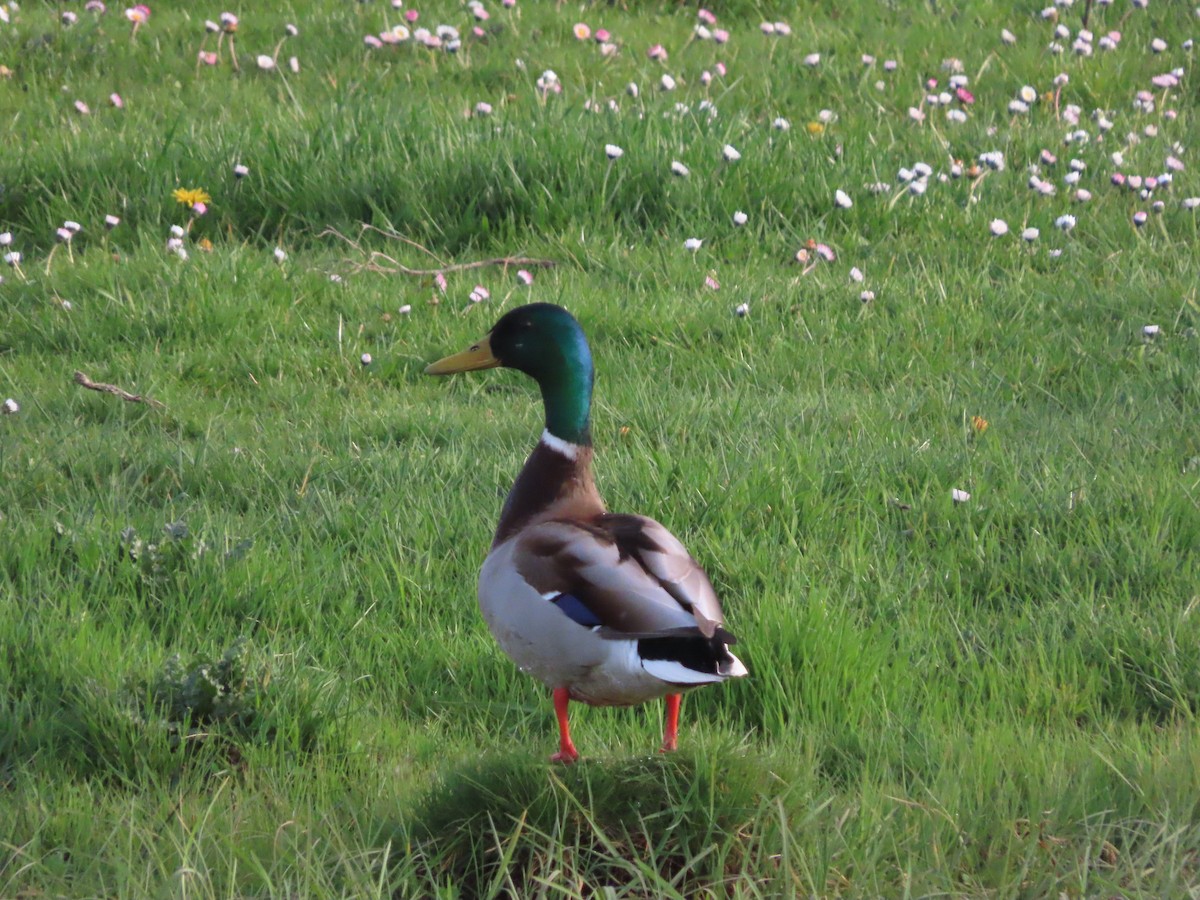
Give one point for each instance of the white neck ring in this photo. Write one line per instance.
(559, 446)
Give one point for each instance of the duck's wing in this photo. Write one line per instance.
(624, 576)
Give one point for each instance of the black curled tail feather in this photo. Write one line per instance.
(710, 656)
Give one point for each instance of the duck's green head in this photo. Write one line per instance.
(546, 343)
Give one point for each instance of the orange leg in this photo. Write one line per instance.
(566, 750)
(671, 731)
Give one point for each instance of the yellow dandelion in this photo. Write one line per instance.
(815, 128)
(189, 197)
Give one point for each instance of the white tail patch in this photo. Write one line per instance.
(676, 673)
(737, 668)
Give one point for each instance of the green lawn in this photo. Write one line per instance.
(240, 652)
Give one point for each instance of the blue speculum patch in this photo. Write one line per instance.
(576, 610)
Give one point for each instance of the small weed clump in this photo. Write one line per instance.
(225, 691)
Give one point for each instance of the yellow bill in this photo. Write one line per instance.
(477, 356)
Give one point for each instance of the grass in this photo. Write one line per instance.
(240, 653)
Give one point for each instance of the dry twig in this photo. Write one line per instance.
(83, 381)
(378, 261)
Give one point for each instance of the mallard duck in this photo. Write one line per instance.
(604, 608)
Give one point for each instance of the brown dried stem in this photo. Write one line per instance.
(375, 258)
(85, 382)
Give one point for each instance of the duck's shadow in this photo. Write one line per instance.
(504, 817)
